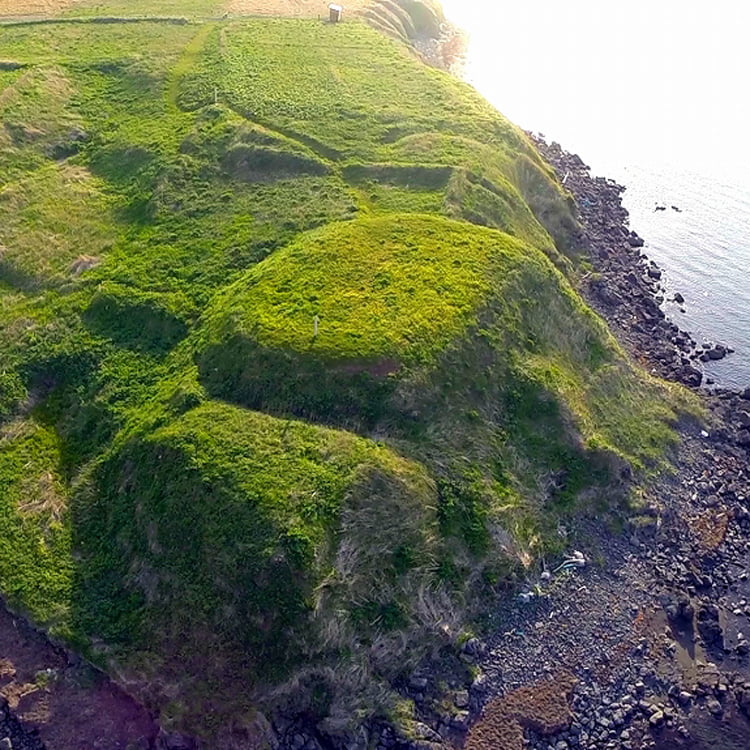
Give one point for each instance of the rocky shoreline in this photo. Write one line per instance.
(626, 287)
(656, 634)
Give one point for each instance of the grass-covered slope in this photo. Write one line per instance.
(231, 535)
(224, 508)
(443, 335)
(389, 298)
(356, 96)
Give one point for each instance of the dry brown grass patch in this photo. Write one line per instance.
(710, 528)
(42, 495)
(10, 8)
(543, 707)
(83, 263)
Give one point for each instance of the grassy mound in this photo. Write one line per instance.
(462, 344)
(228, 534)
(403, 290)
(259, 164)
(405, 294)
(136, 319)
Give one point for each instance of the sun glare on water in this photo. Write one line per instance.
(641, 81)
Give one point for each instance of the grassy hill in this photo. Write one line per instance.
(294, 375)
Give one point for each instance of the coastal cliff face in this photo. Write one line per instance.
(295, 377)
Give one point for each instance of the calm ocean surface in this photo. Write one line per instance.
(658, 99)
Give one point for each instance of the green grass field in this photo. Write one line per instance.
(199, 491)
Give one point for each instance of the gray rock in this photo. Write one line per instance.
(656, 719)
(6, 744)
(423, 732)
(474, 647)
(714, 707)
(175, 741)
(461, 720)
(461, 699)
(480, 683)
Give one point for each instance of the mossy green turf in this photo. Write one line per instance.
(231, 521)
(179, 201)
(397, 287)
(35, 546)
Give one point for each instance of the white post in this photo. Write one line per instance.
(316, 321)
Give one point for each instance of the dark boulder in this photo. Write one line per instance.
(681, 612)
(742, 695)
(635, 241)
(709, 627)
(691, 376)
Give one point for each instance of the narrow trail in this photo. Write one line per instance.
(190, 55)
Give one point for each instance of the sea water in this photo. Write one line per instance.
(657, 97)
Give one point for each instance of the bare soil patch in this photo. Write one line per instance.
(710, 528)
(71, 706)
(10, 8)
